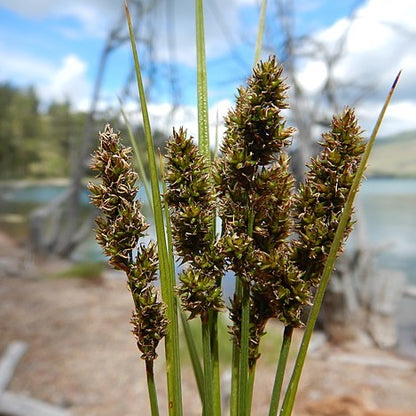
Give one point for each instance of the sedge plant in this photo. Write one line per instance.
(278, 241)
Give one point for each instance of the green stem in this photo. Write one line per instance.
(202, 85)
(280, 371)
(208, 404)
(289, 399)
(217, 139)
(260, 32)
(235, 369)
(244, 353)
(143, 176)
(193, 353)
(167, 278)
(246, 373)
(189, 338)
(216, 378)
(169, 238)
(204, 148)
(245, 338)
(251, 376)
(151, 388)
(234, 380)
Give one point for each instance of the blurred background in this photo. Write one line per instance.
(66, 66)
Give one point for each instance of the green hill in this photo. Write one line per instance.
(394, 155)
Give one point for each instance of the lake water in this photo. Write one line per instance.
(388, 217)
(385, 208)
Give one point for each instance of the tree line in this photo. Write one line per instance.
(38, 143)
(35, 143)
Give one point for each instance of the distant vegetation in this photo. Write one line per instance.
(394, 156)
(37, 143)
(34, 143)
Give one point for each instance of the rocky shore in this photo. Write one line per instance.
(81, 356)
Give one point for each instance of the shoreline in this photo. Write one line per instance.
(23, 183)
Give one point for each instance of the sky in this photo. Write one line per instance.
(55, 46)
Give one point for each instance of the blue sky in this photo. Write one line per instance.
(55, 45)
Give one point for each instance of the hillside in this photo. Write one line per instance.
(394, 155)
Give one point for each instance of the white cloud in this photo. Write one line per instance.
(46, 8)
(172, 23)
(53, 81)
(381, 40)
(68, 82)
(176, 27)
(312, 76)
(16, 65)
(164, 118)
(93, 16)
(247, 2)
(399, 117)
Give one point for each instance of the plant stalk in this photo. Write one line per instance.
(167, 278)
(245, 339)
(204, 148)
(190, 342)
(216, 381)
(280, 371)
(244, 355)
(260, 32)
(208, 403)
(243, 374)
(151, 388)
(290, 395)
(202, 85)
(235, 369)
(193, 353)
(143, 176)
(251, 377)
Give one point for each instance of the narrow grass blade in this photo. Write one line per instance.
(190, 342)
(169, 239)
(167, 280)
(243, 386)
(193, 353)
(214, 316)
(280, 372)
(202, 85)
(290, 395)
(142, 173)
(260, 32)
(246, 375)
(216, 378)
(151, 388)
(217, 139)
(251, 377)
(235, 369)
(208, 404)
(245, 339)
(212, 375)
